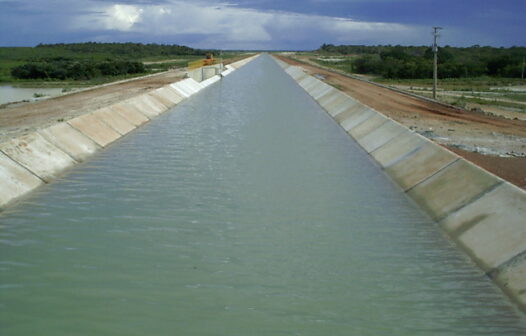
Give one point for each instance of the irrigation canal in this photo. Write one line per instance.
(245, 210)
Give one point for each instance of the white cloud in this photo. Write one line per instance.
(225, 25)
(122, 17)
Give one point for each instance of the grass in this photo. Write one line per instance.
(68, 85)
(462, 101)
(483, 83)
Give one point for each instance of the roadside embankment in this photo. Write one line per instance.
(481, 212)
(39, 156)
(498, 143)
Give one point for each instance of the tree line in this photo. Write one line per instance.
(409, 62)
(125, 50)
(84, 61)
(76, 70)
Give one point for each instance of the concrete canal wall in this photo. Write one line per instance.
(29, 161)
(206, 72)
(483, 214)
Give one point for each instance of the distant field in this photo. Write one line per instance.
(502, 95)
(87, 64)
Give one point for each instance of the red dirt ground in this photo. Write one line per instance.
(449, 126)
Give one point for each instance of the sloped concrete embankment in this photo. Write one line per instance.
(483, 214)
(32, 160)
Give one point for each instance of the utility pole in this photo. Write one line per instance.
(435, 60)
(522, 75)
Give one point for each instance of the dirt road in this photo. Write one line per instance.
(28, 117)
(494, 143)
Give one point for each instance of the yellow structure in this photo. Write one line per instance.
(201, 63)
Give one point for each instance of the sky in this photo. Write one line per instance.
(263, 24)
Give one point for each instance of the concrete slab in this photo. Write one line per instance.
(380, 136)
(236, 65)
(452, 188)
(130, 113)
(333, 99)
(37, 155)
(183, 89)
(400, 146)
(330, 100)
(323, 95)
(316, 86)
(154, 103)
(189, 84)
(143, 106)
(492, 228)
(210, 81)
(511, 279)
(356, 119)
(338, 107)
(168, 93)
(227, 72)
(420, 165)
(367, 126)
(70, 141)
(165, 102)
(322, 89)
(95, 129)
(300, 76)
(294, 72)
(15, 180)
(195, 86)
(177, 98)
(114, 120)
(355, 109)
(307, 82)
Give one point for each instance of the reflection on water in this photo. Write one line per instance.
(243, 211)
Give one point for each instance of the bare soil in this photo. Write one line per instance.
(25, 118)
(511, 169)
(493, 142)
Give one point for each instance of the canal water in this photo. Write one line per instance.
(243, 211)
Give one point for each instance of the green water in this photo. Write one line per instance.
(243, 211)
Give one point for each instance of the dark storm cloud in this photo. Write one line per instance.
(269, 24)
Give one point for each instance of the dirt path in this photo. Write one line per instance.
(28, 117)
(494, 143)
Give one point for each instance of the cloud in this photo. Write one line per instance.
(260, 24)
(122, 17)
(224, 25)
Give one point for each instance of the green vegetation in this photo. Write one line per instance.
(76, 70)
(401, 62)
(88, 63)
(469, 77)
(463, 102)
(482, 83)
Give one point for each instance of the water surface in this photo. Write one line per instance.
(9, 94)
(243, 211)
